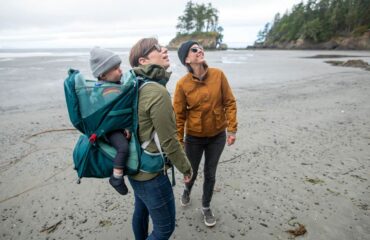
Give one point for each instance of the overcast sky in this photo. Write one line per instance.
(119, 23)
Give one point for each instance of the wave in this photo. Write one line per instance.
(236, 59)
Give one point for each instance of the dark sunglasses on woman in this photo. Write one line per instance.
(196, 49)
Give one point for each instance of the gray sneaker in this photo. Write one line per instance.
(185, 198)
(209, 218)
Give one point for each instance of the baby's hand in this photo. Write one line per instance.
(127, 134)
(187, 178)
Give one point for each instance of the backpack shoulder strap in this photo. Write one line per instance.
(157, 143)
(154, 134)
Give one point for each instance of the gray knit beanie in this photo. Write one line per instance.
(102, 60)
(184, 50)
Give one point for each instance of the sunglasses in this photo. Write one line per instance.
(196, 49)
(154, 47)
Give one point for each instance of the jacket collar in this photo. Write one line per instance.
(153, 72)
(204, 76)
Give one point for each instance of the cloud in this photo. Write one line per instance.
(117, 23)
(40, 13)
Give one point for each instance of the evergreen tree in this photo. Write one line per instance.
(263, 33)
(211, 18)
(200, 15)
(186, 21)
(319, 20)
(199, 18)
(220, 36)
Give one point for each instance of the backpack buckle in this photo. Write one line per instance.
(92, 138)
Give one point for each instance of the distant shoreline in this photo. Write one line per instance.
(250, 47)
(336, 43)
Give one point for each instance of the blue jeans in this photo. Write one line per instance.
(155, 198)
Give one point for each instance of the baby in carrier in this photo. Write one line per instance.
(105, 66)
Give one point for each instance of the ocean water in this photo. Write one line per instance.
(33, 79)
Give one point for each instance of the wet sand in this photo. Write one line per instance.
(302, 157)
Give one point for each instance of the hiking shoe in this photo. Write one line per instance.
(118, 184)
(209, 218)
(185, 198)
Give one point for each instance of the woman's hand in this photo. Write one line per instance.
(230, 140)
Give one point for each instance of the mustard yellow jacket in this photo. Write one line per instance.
(204, 107)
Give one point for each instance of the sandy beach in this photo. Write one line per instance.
(302, 156)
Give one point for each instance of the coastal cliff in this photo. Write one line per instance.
(338, 43)
(319, 24)
(209, 40)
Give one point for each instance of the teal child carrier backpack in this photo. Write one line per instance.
(95, 115)
(97, 108)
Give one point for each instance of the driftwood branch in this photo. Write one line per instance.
(232, 159)
(52, 228)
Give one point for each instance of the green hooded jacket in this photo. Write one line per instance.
(155, 112)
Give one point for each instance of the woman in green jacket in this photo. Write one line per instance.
(153, 191)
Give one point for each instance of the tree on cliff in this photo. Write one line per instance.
(261, 36)
(199, 18)
(186, 23)
(319, 21)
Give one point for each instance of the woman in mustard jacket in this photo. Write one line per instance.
(205, 106)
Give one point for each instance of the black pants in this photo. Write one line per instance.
(119, 141)
(212, 148)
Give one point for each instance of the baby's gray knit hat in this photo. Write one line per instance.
(102, 60)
